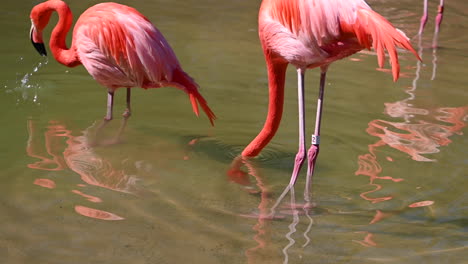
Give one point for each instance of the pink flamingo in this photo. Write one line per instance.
(310, 34)
(440, 14)
(118, 46)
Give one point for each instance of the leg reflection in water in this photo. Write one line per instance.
(270, 210)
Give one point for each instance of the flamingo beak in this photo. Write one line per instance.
(38, 45)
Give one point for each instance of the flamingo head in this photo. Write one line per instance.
(40, 16)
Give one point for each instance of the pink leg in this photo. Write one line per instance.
(423, 18)
(110, 105)
(300, 156)
(440, 15)
(128, 111)
(107, 118)
(314, 149)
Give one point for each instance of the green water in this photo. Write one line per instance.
(389, 185)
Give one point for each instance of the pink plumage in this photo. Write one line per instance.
(119, 47)
(311, 33)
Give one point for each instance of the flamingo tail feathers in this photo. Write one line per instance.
(373, 30)
(196, 98)
(191, 87)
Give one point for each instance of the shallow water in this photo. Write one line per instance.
(390, 180)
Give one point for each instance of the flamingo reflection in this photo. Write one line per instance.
(268, 211)
(420, 135)
(417, 139)
(237, 175)
(63, 151)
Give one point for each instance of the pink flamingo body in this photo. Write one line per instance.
(118, 46)
(310, 34)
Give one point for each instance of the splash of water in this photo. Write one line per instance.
(27, 89)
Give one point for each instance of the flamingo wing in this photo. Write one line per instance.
(301, 30)
(121, 48)
(315, 32)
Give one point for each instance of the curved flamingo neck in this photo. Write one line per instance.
(61, 52)
(276, 77)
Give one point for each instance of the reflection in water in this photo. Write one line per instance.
(421, 204)
(77, 155)
(421, 137)
(46, 183)
(98, 214)
(368, 240)
(370, 167)
(90, 198)
(238, 176)
(53, 160)
(267, 211)
(421, 133)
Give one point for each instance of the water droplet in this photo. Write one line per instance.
(24, 85)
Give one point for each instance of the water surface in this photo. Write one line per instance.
(389, 185)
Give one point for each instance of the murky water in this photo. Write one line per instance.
(389, 186)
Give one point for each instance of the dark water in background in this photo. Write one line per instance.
(389, 186)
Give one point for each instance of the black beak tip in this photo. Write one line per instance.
(40, 48)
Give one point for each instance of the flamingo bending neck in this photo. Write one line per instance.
(276, 76)
(63, 54)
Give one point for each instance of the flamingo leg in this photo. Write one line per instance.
(439, 17)
(110, 105)
(314, 149)
(107, 118)
(301, 154)
(423, 18)
(128, 111)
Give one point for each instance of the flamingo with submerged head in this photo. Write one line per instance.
(311, 34)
